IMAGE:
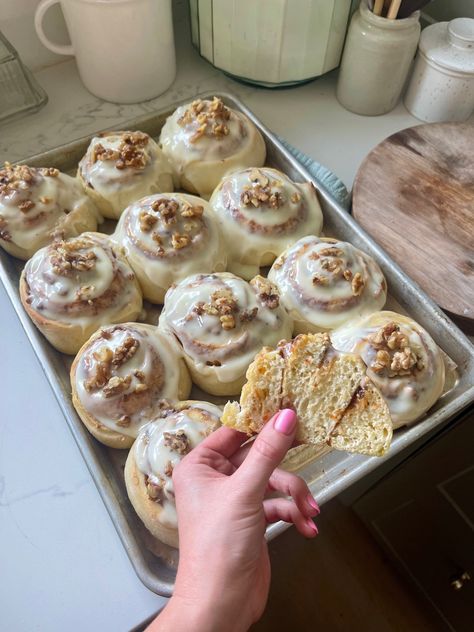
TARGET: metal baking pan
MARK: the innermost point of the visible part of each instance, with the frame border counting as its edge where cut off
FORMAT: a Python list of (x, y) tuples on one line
[(327, 475)]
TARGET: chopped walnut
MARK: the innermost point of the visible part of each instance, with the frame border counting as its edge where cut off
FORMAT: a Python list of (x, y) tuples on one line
[(147, 221), (66, 258), (332, 265), (330, 251), (261, 193), (130, 152), (320, 280), (347, 274), (26, 206), (51, 172), (180, 241), (124, 421), (116, 385), (295, 198), (139, 375), (210, 116), (266, 291), (141, 388), (177, 441), (125, 351), (168, 471), (167, 209), (14, 178), (393, 352), (248, 315), (192, 211), (357, 284), (154, 490), (227, 321)]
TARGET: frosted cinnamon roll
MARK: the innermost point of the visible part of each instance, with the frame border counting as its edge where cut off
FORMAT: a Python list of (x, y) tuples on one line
[(402, 359), (324, 283), (221, 322), (167, 238), (124, 376), (205, 139), (261, 212), (121, 167), (37, 205), (70, 288), (159, 447)]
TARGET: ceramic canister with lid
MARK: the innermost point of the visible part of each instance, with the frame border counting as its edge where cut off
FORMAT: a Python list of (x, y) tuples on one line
[(377, 58), (442, 85)]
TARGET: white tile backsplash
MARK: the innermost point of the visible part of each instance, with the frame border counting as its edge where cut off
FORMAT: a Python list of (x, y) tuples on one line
[(17, 24)]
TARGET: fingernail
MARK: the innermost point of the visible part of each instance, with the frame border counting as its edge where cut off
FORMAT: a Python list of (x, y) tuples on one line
[(285, 421), (311, 524), (313, 503)]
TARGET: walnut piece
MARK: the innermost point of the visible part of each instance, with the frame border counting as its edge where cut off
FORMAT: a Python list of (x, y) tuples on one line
[(177, 441), (116, 385), (154, 490), (394, 355), (66, 257), (260, 192), (130, 152), (266, 291), (208, 118), (357, 284)]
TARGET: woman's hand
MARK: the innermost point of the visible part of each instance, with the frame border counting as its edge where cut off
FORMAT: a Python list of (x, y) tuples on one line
[(221, 487)]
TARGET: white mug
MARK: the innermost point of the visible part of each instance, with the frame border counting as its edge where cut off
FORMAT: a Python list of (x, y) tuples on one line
[(124, 48)]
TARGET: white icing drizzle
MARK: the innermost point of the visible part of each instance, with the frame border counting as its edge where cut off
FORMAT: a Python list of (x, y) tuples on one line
[(80, 295), (326, 282), (205, 139), (261, 212), (205, 342), (121, 186), (407, 396), (152, 372), (35, 204), (197, 420), (168, 237)]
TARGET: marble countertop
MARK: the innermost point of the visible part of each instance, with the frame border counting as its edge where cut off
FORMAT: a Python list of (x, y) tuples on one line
[(62, 563)]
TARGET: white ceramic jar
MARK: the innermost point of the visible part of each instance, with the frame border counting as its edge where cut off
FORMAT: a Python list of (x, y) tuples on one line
[(270, 42), (376, 61), (442, 85)]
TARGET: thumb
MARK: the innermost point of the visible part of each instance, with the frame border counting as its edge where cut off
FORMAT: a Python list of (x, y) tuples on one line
[(267, 451)]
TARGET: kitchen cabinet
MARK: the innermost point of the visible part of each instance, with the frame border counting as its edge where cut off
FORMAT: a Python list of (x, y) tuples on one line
[(423, 516)]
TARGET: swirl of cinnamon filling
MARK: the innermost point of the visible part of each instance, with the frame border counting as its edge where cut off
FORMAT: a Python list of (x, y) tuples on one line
[(167, 238), (37, 205), (162, 444), (222, 321), (325, 283), (261, 212), (124, 376), (82, 282), (121, 167), (402, 360), (205, 139)]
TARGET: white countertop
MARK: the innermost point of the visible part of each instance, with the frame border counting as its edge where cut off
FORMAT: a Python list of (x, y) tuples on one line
[(63, 566)]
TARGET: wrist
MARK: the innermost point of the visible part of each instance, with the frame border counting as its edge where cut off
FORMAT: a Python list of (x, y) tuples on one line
[(185, 614)]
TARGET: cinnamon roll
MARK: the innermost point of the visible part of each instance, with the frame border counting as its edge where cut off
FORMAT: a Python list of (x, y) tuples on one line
[(221, 322), (37, 205), (261, 212), (124, 376), (167, 238), (71, 287), (121, 167), (402, 359), (159, 447), (325, 283), (205, 139)]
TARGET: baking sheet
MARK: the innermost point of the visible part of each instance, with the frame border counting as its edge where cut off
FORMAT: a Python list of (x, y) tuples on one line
[(329, 473)]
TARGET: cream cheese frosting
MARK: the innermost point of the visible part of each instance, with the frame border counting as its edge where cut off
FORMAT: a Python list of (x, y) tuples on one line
[(261, 212), (169, 237), (402, 360), (325, 283)]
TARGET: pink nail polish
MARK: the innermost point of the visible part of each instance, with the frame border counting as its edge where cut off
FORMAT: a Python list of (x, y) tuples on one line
[(311, 524), (285, 421), (313, 503)]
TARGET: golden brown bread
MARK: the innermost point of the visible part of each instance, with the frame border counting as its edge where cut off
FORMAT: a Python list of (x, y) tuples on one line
[(335, 402)]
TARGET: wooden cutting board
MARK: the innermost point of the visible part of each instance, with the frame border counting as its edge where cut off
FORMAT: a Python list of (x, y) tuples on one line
[(414, 193)]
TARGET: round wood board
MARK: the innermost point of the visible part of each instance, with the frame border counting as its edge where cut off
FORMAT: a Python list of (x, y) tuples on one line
[(414, 193)]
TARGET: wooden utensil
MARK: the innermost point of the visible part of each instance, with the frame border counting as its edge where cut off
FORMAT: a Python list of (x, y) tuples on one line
[(393, 9), (378, 6), (414, 193)]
